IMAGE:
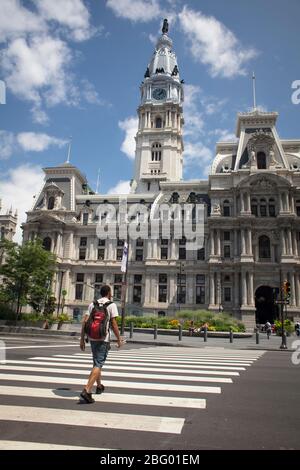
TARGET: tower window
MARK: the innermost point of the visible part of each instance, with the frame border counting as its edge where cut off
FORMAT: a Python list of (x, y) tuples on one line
[(264, 247), (156, 152), (261, 161), (158, 123), (47, 244)]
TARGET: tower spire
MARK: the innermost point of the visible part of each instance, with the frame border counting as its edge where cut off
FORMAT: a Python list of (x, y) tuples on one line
[(165, 27), (254, 91)]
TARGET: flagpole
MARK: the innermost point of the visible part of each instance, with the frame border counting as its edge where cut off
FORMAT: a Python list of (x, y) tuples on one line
[(124, 286)]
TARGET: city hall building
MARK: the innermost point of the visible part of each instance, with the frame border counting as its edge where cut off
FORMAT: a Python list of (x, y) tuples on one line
[(251, 222)]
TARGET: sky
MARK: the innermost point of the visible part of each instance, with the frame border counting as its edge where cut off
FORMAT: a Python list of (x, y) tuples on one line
[(73, 68)]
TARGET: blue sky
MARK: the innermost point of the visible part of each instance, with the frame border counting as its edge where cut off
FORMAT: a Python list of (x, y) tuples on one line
[(73, 68)]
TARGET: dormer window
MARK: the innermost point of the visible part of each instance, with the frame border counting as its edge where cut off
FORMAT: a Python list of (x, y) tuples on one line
[(156, 152), (261, 161), (51, 202)]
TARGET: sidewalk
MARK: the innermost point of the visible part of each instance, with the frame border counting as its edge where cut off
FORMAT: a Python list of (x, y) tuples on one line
[(273, 344)]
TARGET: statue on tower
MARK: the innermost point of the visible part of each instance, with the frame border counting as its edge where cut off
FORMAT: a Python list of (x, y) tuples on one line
[(165, 27)]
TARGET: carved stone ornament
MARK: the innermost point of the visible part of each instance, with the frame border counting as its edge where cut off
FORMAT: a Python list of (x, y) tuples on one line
[(263, 184), (216, 210)]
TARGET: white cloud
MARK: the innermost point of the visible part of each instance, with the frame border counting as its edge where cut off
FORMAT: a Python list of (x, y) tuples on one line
[(17, 188), (7, 144), (135, 10), (26, 141), (197, 155), (37, 67), (36, 61), (91, 95), (15, 20), (213, 44), (122, 187), (130, 126), (35, 142), (73, 14)]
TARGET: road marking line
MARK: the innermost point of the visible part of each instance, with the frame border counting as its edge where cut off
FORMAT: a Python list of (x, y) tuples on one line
[(88, 361), (116, 367), (112, 383), (128, 399), (39, 347), (23, 445), (95, 419), (164, 360), (179, 378)]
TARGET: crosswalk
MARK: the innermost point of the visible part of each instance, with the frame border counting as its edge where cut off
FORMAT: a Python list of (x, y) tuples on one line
[(150, 393)]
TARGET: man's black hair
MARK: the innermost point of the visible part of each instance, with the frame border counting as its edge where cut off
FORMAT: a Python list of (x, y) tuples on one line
[(104, 291)]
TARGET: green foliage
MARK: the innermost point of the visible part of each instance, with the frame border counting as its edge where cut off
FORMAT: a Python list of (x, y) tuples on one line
[(6, 313), (50, 306), (217, 322), (288, 326), (27, 271), (63, 317)]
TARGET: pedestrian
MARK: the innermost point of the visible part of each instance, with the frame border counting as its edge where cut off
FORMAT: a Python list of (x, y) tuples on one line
[(268, 328), (297, 328), (96, 325)]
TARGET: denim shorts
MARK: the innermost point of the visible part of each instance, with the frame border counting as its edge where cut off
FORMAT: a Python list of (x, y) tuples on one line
[(99, 350)]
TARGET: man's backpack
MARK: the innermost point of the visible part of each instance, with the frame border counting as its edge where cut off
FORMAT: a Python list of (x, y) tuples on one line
[(97, 323)]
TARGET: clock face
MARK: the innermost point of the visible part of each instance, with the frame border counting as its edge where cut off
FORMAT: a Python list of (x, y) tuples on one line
[(159, 93)]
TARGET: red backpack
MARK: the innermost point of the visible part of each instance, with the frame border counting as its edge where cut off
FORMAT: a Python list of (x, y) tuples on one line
[(96, 325)]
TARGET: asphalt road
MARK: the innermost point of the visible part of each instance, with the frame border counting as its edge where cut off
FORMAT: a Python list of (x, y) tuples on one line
[(39, 398)]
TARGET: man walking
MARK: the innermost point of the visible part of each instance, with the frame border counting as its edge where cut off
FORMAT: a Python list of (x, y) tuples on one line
[(99, 345)]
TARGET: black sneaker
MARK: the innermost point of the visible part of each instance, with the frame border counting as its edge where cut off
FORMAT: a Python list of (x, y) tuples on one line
[(100, 389), (87, 397)]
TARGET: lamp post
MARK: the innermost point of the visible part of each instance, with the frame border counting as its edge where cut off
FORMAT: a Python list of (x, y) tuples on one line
[(282, 302), (60, 289), (181, 271)]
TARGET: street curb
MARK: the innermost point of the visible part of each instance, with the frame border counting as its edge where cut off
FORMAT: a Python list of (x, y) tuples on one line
[(145, 342)]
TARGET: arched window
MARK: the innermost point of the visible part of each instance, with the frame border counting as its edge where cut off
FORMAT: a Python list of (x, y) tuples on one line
[(158, 123), (47, 243), (51, 202), (2, 233), (263, 208), (226, 208), (261, 161), (254, 207), (175, 198), (272, 209), (156, 152), (264, 247)]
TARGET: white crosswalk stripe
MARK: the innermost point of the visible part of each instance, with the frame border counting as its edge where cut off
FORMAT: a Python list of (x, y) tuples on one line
[(148, 390)]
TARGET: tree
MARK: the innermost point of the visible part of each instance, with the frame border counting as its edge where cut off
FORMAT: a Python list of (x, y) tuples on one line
[(27, 271)]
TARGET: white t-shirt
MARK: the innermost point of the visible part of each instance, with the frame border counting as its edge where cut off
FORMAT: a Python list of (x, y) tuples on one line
[(112, 310)]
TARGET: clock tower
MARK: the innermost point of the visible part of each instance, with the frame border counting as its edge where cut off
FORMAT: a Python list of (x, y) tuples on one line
[(159, 144)]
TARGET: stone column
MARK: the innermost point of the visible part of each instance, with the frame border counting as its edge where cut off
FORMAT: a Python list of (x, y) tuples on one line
[(149, 248), (244, 289), (219, 242), (212, 242), (242, 203), (172, 288), (250, 251), (147, 288), (243, 241), (212, 288), (236, 289), (286, 197), (295, 245), (290, 241), (248, 202), (283, 242), (251, 290)]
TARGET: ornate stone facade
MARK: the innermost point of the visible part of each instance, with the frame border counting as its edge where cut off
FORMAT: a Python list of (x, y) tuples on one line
[(252, 216)]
